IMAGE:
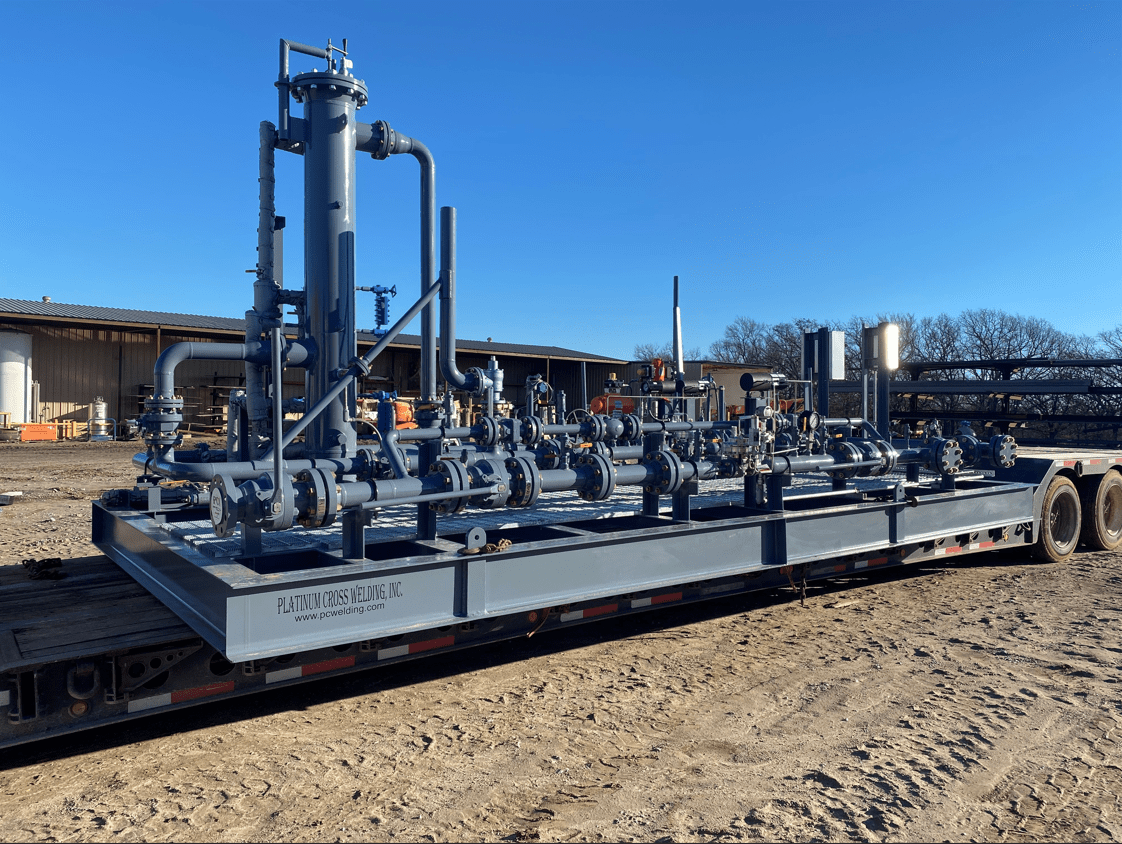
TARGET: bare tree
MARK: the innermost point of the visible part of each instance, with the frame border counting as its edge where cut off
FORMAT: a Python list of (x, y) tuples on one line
[(744, 341), (1111, 342), (940, 340), (649, 351), (776, 346)]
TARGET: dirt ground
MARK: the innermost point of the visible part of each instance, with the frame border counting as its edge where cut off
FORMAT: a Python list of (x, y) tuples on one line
[(980, 701)]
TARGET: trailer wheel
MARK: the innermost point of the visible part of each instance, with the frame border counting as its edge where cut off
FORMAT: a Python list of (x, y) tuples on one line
[(1102, 512), (1059, 522)]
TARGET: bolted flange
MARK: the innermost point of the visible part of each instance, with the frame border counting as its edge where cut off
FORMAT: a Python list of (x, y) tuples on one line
[(602, 476), (525, 482), (455, 479), (1004, 450)]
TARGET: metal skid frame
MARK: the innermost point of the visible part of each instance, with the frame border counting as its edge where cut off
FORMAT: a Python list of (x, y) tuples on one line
[(296, 600)]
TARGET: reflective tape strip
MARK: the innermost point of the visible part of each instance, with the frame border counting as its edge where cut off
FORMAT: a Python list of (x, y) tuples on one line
[(329, 665), (840, 567), (974, 546), (415, 648), (182, 696), (431, 644), (601, 610), (1094, 461), (878, 561), (149, 703), (1070, 462), (284, 674), (860, 564), (954, 549), (591, 612), (724, 587), (5, 698), (202, 691), (307, 670)]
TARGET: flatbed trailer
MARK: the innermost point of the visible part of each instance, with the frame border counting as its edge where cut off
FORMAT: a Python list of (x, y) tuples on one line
[(97, 648)]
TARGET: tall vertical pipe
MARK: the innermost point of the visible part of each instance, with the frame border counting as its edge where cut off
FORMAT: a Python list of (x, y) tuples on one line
[(381, 141), (678, 361), (456, 380), (330, 101), (277, 338), (428, 266), (264, 288), (265, 309)]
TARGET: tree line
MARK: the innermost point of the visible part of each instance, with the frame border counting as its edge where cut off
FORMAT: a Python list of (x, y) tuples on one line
[(972, 335)]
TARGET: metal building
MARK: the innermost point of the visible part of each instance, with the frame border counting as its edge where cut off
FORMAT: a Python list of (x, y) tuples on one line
[(82, 352)]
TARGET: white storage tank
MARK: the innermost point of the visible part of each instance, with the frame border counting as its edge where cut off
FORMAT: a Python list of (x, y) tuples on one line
[(15, 375)]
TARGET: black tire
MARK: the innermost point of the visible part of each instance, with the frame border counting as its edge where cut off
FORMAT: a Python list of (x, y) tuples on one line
[(1102, 512), (1059, 522)]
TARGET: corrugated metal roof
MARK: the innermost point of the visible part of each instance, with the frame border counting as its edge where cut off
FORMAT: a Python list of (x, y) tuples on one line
[(60, 310), (124, 316)]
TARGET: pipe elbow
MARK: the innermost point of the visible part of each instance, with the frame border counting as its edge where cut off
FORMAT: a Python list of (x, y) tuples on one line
[(418, 150), (468, 382), (394, 456), (164, 370)]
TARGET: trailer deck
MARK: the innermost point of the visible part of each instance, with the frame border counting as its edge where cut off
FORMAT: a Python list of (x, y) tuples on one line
[(96, 647)]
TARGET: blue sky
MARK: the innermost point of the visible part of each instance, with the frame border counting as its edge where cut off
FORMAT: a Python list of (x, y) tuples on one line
[(801, 159)]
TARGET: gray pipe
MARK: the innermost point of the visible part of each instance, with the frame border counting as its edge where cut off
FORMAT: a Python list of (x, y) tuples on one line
[(164, 371), (256, 351), (456, 380), (380, 140), (255, 404), (679, 362), (419, 434), (424, 499), (239, 471), (359, 366), (575, 429), (636, 473), (428, 265), (626, 452), (265, 309), (283, 82), (264, 285), (393, 454), (277, 501), (797, 464)]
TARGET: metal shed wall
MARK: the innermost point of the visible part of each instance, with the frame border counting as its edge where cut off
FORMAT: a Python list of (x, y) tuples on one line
[(74, 363)]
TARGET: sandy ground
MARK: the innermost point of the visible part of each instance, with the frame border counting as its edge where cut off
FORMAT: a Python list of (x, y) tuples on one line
[(981, 701)]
